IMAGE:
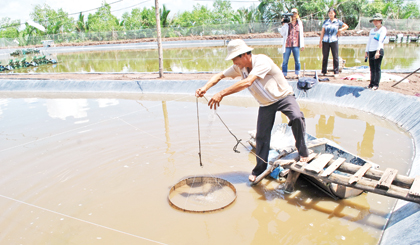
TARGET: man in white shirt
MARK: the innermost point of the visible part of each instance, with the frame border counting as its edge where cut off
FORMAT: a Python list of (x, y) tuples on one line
[(266, 82)]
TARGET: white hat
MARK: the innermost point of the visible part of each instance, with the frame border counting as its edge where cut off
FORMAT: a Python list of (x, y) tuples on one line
[(237, 47), (294, 10)]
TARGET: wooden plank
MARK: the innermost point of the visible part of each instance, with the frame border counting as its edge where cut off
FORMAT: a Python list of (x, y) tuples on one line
[(415, 188), (310, 157), (283, 163), (337, 163), (387, 178), (359, 174), (319, 163)]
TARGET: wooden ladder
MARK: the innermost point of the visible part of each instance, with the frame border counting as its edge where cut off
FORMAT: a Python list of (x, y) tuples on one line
[(322, 166)]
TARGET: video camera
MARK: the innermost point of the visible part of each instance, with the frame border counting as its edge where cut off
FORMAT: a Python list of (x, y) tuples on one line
[(286, 18)]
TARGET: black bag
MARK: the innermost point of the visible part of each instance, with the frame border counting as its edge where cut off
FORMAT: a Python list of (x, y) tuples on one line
[(305, 83)]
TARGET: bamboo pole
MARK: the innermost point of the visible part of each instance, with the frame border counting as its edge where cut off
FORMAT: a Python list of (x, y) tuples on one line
[(159, 39), (406, 76)]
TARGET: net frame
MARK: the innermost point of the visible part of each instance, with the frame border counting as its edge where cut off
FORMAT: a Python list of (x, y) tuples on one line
[(201, 179)]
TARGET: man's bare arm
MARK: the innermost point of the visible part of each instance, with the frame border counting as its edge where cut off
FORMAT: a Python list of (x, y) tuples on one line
[(238, 86), (213, 81)]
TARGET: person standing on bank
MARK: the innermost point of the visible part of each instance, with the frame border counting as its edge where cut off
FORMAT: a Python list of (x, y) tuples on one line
[(375, 50), (266, 82), (331, 30), (292, 41)]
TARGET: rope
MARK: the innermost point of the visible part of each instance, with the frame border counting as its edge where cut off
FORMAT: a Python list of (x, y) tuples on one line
[(238, 141)]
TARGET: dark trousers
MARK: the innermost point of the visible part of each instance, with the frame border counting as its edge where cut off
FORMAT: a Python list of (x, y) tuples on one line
[(266, 117), (325, 53), (375, 68)]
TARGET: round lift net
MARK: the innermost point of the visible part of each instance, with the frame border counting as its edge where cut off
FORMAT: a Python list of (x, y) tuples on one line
[(202, 194)]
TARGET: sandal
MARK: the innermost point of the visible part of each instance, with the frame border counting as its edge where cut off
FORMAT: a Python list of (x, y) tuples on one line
[(374, 88)]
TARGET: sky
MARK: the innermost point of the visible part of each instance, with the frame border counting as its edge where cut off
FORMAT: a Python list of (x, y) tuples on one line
[(20, 9)]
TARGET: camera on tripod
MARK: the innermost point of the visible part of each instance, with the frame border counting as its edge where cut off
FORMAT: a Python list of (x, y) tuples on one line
[(286, 18)]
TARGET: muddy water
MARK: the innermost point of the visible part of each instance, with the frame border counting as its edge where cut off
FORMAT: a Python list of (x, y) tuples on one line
[(98, 171), (405, 56)]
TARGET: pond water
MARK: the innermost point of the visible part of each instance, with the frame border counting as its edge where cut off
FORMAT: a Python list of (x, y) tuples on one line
[(86, 170), (397, 56)]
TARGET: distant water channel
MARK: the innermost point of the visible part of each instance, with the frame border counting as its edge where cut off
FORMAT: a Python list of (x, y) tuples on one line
[(397, 56)]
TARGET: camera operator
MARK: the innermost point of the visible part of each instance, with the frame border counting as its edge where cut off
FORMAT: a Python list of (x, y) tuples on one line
[(292, 32)]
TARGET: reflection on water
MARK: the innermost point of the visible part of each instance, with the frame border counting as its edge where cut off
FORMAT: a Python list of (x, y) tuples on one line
[(365, 148), (62, 108), (117, 174), (212, 59), (169, 169), (324, 128)]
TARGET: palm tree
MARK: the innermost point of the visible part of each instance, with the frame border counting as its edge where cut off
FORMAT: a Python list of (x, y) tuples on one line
[(81, 25), (163, 12)]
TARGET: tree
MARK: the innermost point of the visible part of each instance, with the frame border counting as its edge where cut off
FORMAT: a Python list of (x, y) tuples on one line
[(132, 21), (164, 13), (393, 9), (103, 20), (244, 15), (222, 12), (352, 12), (52, 20), (410, 11), (316, 9), (24, 35), (81, 25), (9, 28), (200, 15), (270, 11)]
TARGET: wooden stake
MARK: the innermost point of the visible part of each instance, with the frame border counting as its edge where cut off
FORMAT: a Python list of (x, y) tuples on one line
[(159, 39)]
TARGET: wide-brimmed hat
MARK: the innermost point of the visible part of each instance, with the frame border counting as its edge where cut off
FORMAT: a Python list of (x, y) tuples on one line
[(237, 47), (294, 10), (376, 16)]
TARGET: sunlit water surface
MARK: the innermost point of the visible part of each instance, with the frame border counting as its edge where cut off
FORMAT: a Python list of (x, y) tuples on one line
[(397, 56), (98, 171)]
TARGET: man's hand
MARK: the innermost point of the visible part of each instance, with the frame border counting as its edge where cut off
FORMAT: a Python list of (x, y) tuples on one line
[(215, 101), (303, 48), (200, 92)]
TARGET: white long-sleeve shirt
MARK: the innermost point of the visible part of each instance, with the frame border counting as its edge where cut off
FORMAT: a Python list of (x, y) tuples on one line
[(376, 39)]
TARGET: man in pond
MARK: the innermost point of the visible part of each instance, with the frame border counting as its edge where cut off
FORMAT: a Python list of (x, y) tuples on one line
[(266, 82)]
